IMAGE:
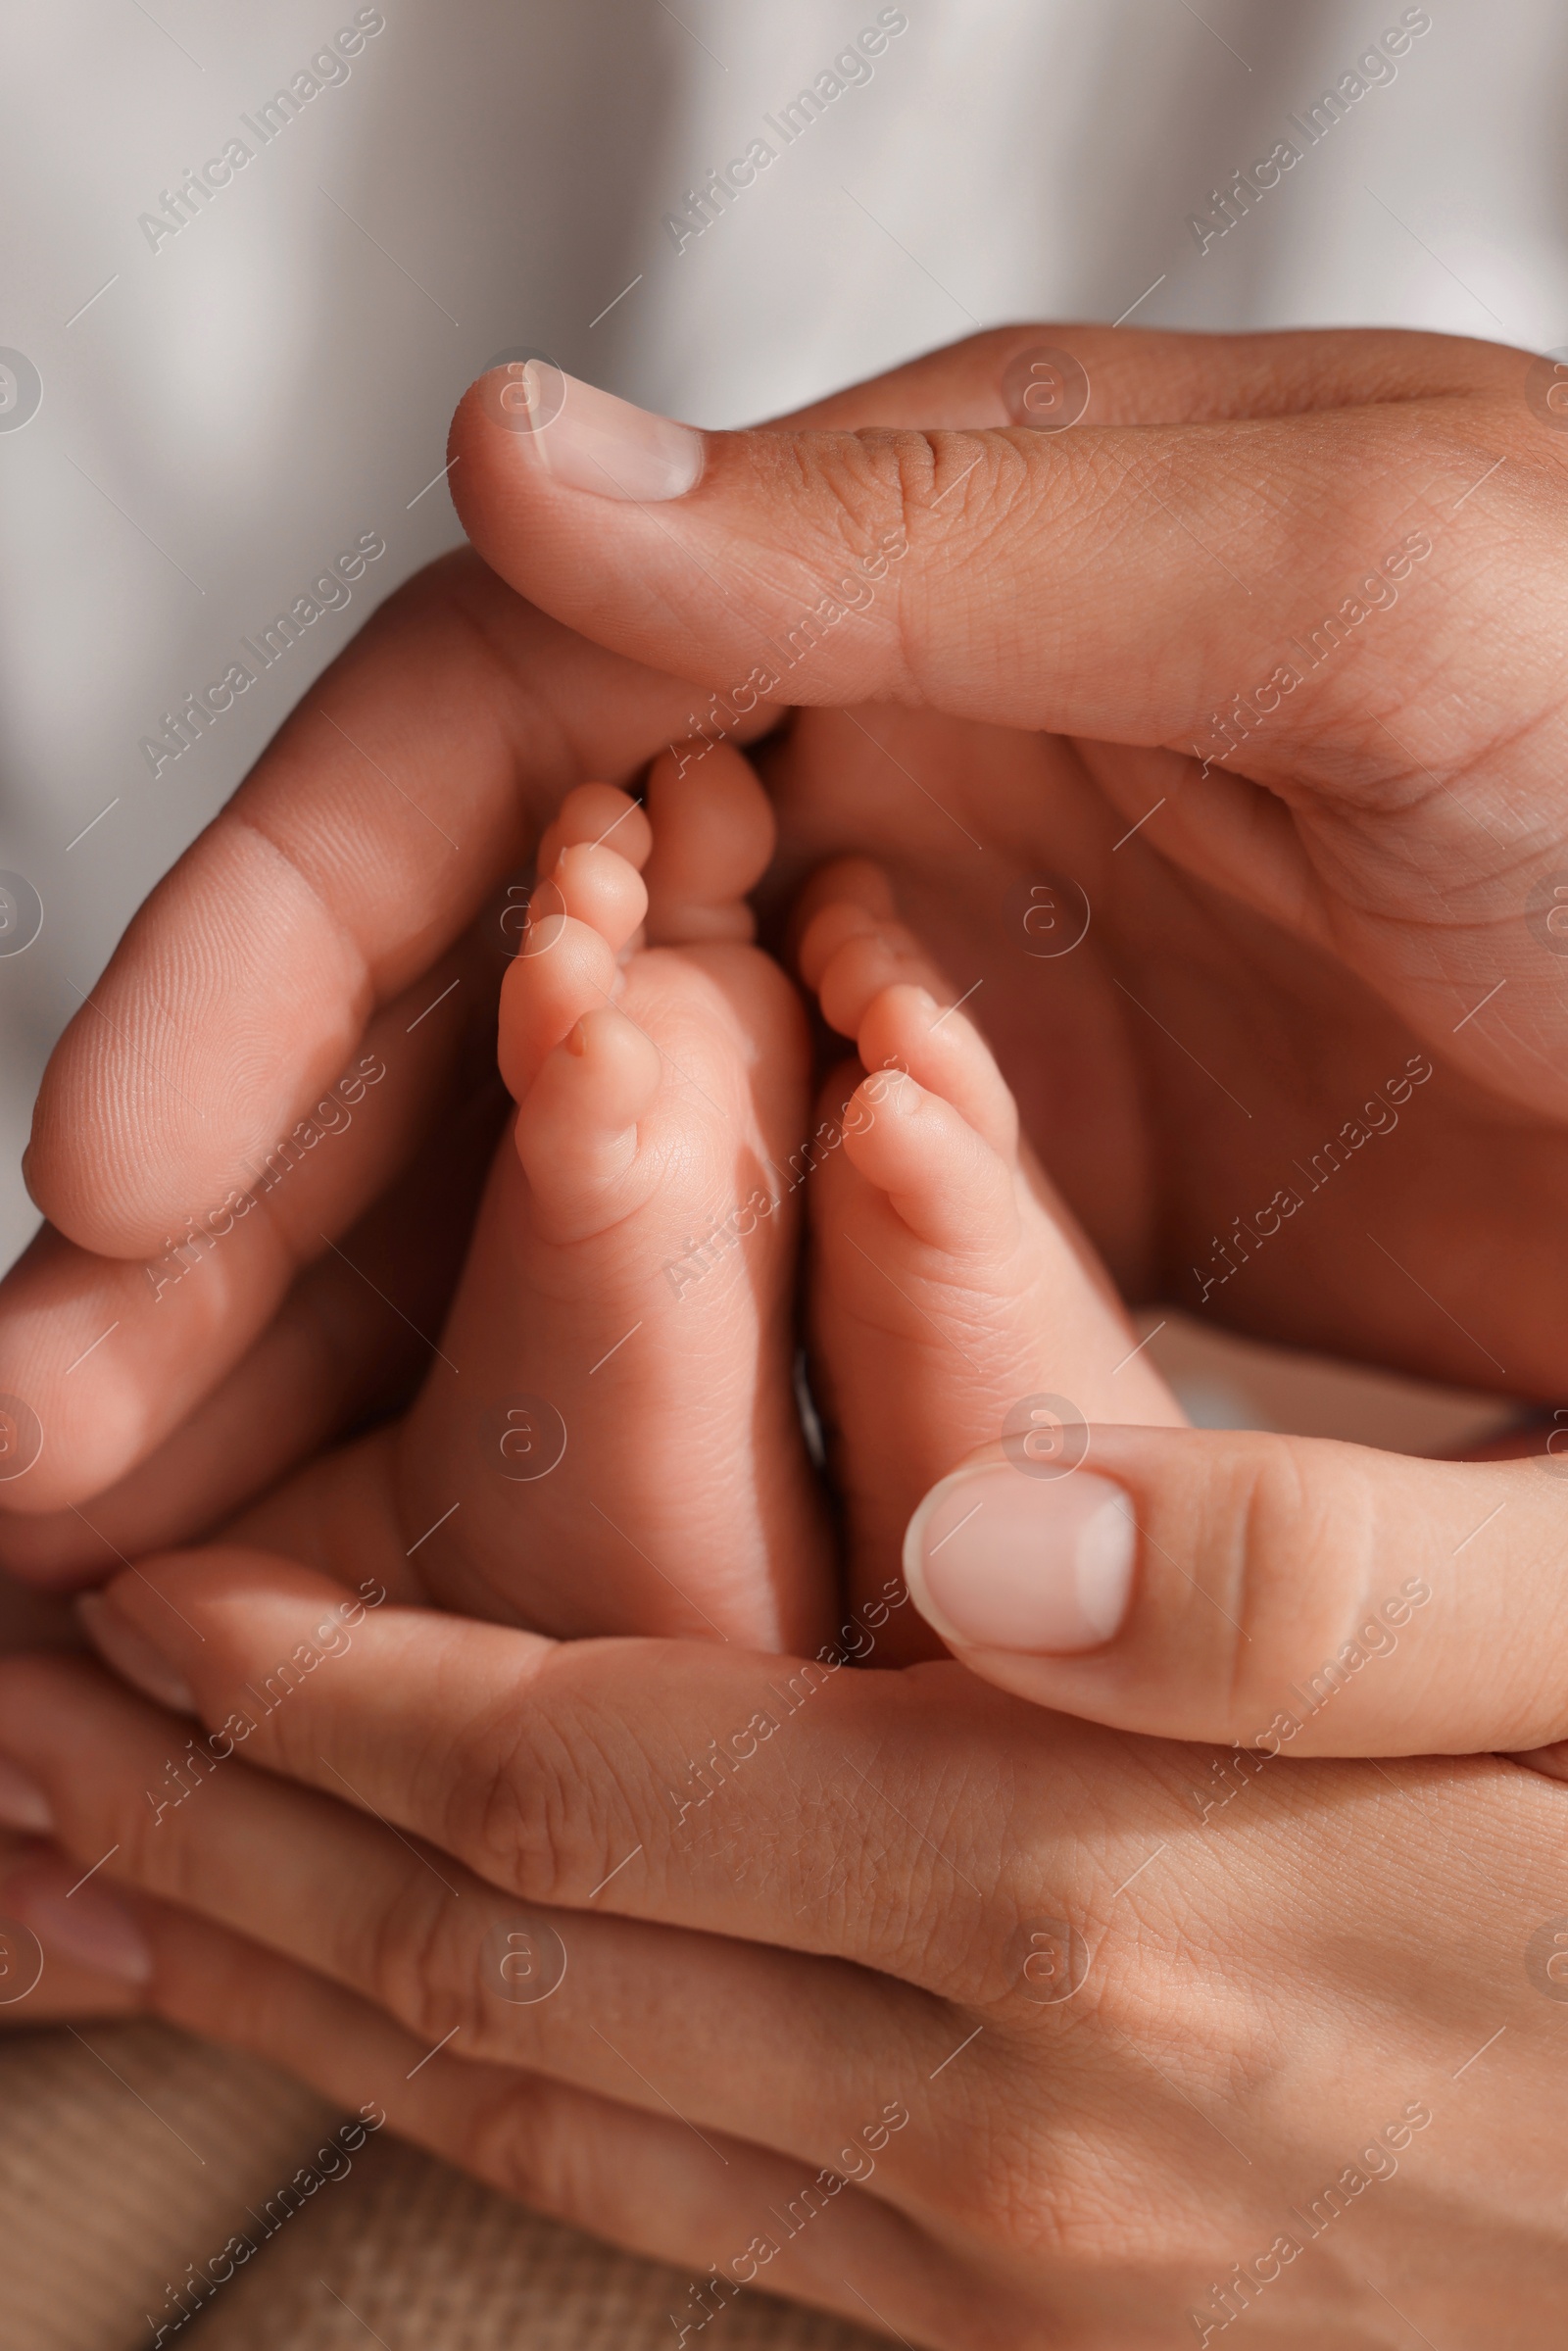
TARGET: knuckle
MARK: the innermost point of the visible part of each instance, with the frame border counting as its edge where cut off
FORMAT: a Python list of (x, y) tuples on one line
[(864, 480), (1305, 1544), (884, 492), (1280, 1535), (537, 1802), (414, 1965), (533, 2145), (914, 467), (521, 1833), (953, 487)]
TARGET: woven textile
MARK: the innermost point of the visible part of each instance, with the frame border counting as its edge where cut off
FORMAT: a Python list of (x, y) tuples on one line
[(131, 2151)]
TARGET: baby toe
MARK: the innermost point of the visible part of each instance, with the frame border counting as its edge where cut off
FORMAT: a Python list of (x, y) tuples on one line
[(905, 1027), (576, 1128), (712, 836), (941, 1177)]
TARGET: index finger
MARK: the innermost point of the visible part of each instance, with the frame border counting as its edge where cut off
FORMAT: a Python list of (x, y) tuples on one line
[(632, 1776), (1152, 376)]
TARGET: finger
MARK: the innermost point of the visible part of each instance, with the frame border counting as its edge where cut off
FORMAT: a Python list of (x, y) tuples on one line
[(743, 2033), (1085, 581), (34, 1620), (1285, 1595), (102, 1972), (646, 2182), (350, 1342), (416, 771), (569, 1758), (111, 1355), (1150, 377), (38, 1985), (1550, 1762)]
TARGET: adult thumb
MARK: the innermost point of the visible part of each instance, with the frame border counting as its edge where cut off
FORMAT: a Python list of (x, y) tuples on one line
[(1053, 579), (1282, 1594), (1023, 577)]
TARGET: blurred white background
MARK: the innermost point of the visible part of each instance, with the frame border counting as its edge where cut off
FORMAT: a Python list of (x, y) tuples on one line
[(221, 415)]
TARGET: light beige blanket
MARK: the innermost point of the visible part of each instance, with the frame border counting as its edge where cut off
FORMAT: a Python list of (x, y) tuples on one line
[(130, 2151)]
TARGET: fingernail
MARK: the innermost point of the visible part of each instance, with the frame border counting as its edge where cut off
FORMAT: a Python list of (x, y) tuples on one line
[(589, 440), (998, 1561), (125, 1647), (90, 1927), (22, 1802)]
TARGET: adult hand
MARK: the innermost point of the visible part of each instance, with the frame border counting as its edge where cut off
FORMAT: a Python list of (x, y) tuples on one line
[(321, 926), (1264, 656), (956, 2016), (1299, 936), (189, 1325), (292, 1017)]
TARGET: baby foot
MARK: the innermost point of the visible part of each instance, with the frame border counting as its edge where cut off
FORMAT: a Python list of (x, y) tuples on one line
[(954, 1300), (628, 1440)]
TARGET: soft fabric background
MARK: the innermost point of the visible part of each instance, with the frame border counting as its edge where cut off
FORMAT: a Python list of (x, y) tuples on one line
[(127, 2152), (228, 411)]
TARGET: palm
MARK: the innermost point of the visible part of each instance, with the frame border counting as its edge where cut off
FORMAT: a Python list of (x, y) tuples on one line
[(1192, 1058)]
